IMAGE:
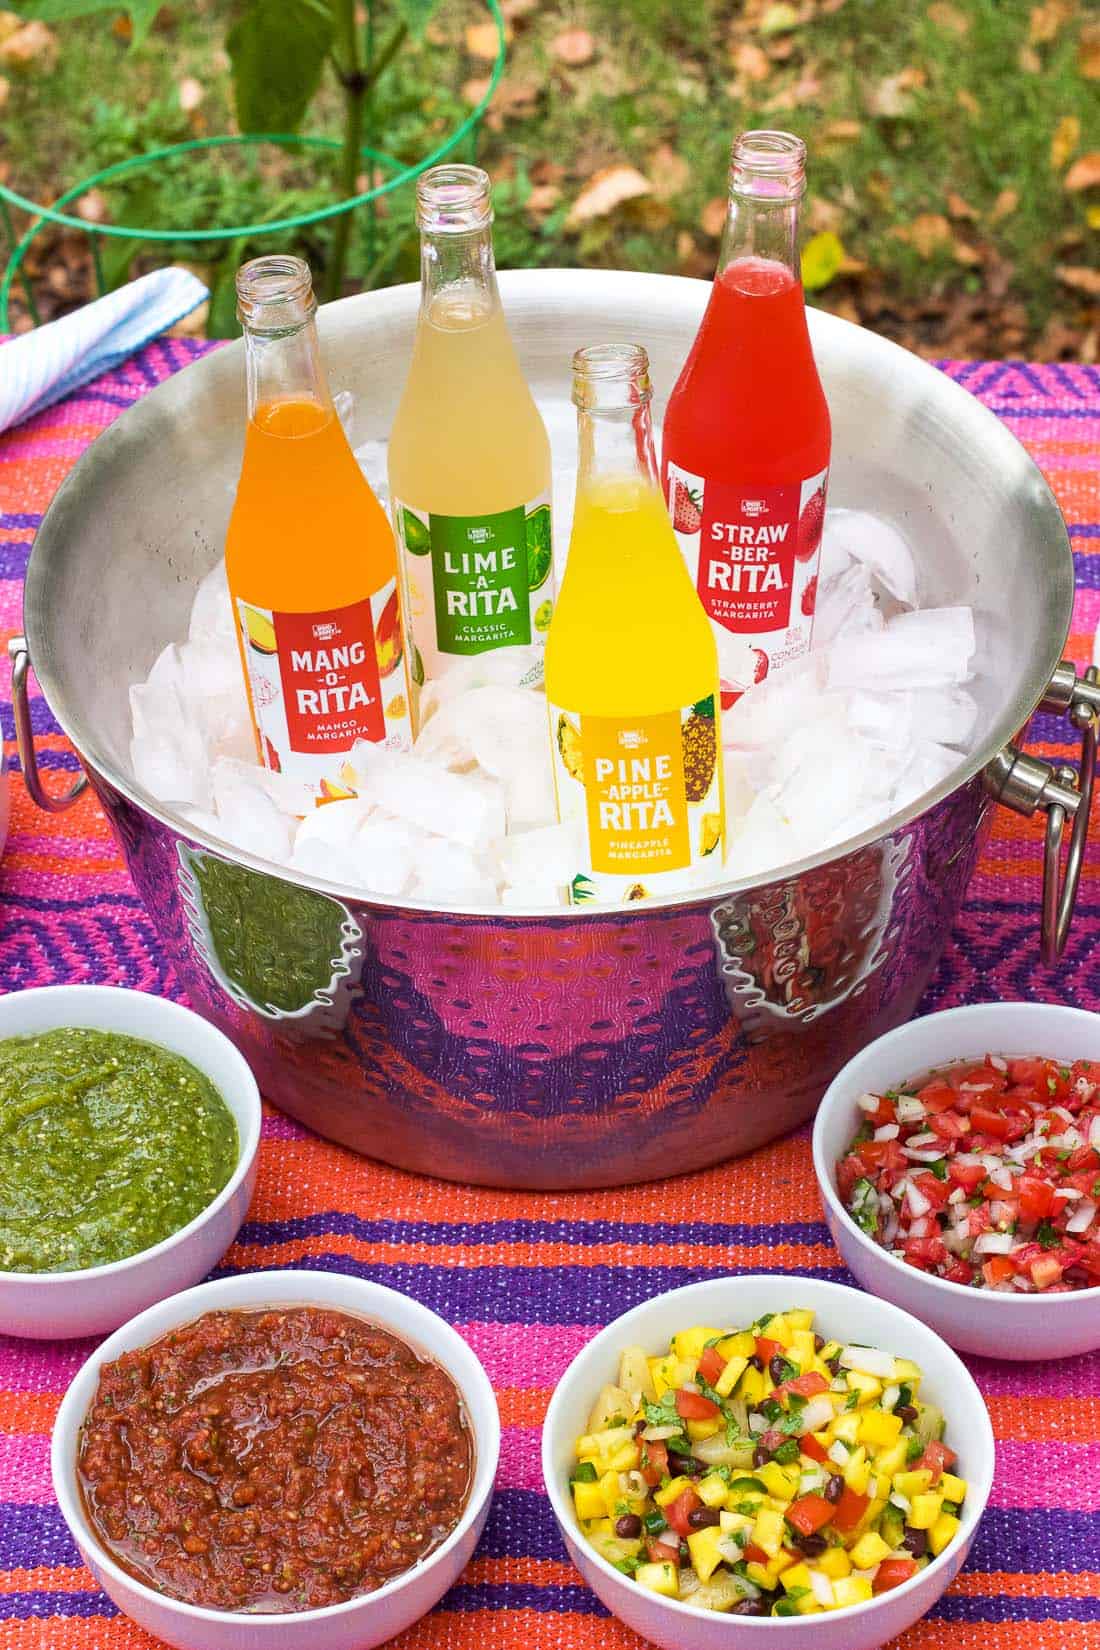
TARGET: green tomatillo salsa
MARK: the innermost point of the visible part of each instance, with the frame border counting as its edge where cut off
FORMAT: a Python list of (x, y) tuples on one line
[(108, 1145)]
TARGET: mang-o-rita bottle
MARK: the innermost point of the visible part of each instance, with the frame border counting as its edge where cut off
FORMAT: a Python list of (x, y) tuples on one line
[(309, 554), (469, 457), (747, 436), (631, 666)]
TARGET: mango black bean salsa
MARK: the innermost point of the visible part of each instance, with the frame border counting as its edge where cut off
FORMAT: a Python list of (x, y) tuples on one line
[(275, 1460)]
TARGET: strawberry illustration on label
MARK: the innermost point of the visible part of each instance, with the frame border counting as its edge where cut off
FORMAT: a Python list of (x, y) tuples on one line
[(810, 525), (809, 598), (687, 509)]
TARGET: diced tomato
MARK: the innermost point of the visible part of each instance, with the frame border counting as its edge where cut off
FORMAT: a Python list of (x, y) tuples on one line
[(892, 1572), (948, 1125), (886, 1113), (809, 1514), (711, 1364), (990, 1122), (925, 1253), (936, 1191), (694, 1406), (1082, 1157), (849, 1510), (938, 1096), (849, 1171), (663, 1552), (678, 1511), (766, 1349), (998, 1269), (966, 1175), (959, 1272), (1032, 1072), (755, 1554), (1036, 1197), (979, 1220), (654, 1460), (882, 1154), (804, 1386), (1046, 1271), (979, 1081), (809, 1445), (937, 1458)]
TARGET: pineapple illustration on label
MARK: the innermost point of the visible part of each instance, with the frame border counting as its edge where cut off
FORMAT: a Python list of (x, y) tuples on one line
[(649, 792)]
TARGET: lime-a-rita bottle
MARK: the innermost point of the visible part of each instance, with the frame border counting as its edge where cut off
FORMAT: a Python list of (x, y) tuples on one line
[(469, 458), (631, 665)]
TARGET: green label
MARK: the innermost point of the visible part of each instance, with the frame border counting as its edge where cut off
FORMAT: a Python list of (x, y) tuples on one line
[(480, 581)]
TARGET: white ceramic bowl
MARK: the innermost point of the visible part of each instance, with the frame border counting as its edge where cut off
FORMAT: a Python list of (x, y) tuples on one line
[(845, 1313), (974, 1320), (359, 1623), (50, 1305)]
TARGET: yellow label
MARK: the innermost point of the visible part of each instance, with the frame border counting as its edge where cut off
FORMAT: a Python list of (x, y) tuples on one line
[(635, 795)]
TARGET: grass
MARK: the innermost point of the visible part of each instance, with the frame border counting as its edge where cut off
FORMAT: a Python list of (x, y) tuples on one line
[(930, 128)]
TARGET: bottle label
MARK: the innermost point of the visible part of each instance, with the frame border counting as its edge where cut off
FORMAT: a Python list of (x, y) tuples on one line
[(320, 681), (477, 583), (647, 791), (753, 553)]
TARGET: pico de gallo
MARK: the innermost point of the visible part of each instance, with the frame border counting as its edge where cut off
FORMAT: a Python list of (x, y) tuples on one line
[(766, 1471), (986, 1174)]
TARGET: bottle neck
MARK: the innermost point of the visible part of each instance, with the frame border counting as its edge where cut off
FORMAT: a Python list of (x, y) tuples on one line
[(762, 228), (458, 282), (285, 365), (615, 444)]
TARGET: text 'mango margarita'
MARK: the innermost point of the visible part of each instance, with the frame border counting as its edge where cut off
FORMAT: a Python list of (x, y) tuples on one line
[(469, 458), (747, 433), (310, 555), (631, 666)]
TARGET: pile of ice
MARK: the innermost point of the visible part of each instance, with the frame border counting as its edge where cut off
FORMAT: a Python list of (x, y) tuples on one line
[(865, 724)]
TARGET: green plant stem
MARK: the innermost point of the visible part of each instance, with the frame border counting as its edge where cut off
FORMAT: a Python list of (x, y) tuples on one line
[(357, 84)]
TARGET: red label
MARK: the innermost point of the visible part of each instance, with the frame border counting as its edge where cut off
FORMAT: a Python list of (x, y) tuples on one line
[(747, 547), (329, 670)]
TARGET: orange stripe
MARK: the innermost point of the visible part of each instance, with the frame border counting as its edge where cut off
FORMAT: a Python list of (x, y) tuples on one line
[(1059, 1584), (63, 1578), (29, 1411), (1037, 1420)]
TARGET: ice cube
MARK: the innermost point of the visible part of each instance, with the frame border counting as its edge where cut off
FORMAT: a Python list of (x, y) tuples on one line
[(883, 719), (930, 648), (325, 842), (503, 732), (859, 536), (385, 854), (328, 861), (504, 667), (947, 715), (763, 715), (449, 870), (212, 609), (547, 857), (250, 820), (846, 606), (214, 698), (931, 765), (171, 769), (465, 808), (765, 840)]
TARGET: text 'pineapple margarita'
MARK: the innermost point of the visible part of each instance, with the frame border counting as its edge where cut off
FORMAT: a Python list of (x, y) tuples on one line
[(631, 665)]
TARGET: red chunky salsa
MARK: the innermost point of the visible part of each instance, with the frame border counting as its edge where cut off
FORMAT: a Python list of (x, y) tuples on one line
[(274, 1460), (985, 1174)]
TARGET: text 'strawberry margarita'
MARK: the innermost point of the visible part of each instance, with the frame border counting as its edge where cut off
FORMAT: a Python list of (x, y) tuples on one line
[(469, 459), (747, 434), (631, 666), (309, 554)]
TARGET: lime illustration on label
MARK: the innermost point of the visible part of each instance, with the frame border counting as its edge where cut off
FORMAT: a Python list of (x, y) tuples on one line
[(477, 583), (649, 791), (320, 681)]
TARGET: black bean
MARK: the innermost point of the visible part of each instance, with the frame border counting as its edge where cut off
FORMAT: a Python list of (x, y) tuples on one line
[(834, 1364), (684, 1466), (777, 1369), (628, 1527), (819, 1342), (685, 1553), (639, 1427), (756, 1362), (812, 1545), (760, 1456), (905, 1413), (704, 1518), (750, 1607), (834, 1489), (915, 1542)]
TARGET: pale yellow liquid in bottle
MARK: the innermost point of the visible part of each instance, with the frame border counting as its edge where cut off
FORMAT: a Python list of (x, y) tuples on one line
[(468, 439)]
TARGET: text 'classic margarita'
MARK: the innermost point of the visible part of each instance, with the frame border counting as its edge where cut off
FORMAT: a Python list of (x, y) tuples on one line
[(631, 666), (469, 459), (310, 555), (747, 433)]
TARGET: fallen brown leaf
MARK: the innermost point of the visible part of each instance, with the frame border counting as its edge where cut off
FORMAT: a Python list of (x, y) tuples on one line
[(1005, 204), (1080, 278), (927, 232), (779, 18), (34, 46), (668, 171), (712, 219), (958, 207), (92, 207), (573, 47), (482, 41), (1088, 51), (604, 191), (751, 60), (10, 23), (964, 253), (5, 90), (1084, 173), (841, 131), (891, 97), (542, 199), (512, 10), (1047, 19), (190, 93), (822, 214), (966, 100), (1028, 59), (1067, 135), (948, 18), (474, 90)]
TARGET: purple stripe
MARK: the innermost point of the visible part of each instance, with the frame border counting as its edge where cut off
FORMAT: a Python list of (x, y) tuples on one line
[(717, 1234), (19, 518)]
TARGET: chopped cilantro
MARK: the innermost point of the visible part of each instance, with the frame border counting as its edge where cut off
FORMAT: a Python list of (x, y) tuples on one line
[(763, 1322), (787, 1452), (628, 1565), (1047, 1236), (787, 1371), (951, 1507), (913, 1449), (771, 1409), (788, 1606), (584, 1473), (939, 1168), (852, 1400), (905, 1395), (655, 1522), (1096, 1188)]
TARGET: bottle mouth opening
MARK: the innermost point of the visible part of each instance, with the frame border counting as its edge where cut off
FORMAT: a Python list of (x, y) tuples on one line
[(769, 163), (274, 291), (611, 374), (454, 199)]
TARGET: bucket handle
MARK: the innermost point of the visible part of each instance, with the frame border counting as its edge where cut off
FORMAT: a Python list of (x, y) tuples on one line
[(24, 736), (1026, 783)]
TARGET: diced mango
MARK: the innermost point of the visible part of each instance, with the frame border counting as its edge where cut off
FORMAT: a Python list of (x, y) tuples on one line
[(857, 1472), (702, 1429), (766, 1575), (924, 1510), (878, 1428), (943, 1531), (661, 1578), (767, 1531), (800, 1318), (851, 1590), (712, 1490), (703, 1547), (776, 1480), (588, 1501), (735, 1368), (595, 1444), (869, 1387), (625, 1459), (741, 1345), (835, 1563), (668, 1373), (612, 1406), (829, 1351), (847, 1427), (892, 1460), (754, 1386), (912, 1483), (612, 1491), (868, 1551), (667, 1494), (803, 1347), (689, 1344), (634, 1377), (734, 1523), (779, 1329), (797, 1576), (909, 1372), (952, 1488)]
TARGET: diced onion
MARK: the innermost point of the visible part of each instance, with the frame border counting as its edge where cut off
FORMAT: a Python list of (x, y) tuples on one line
[(958, 1195), (997, 1063), (816, 1415), (715, 1452), (1000, 1213), (868, 1360), (757, 1423), (910, 1109), (1094, 1133), (1001, 1177), (822, 1588), (636, 1487), (925, 1139), (994, 1243), (890, 1397), (918, 1205), (919, 1154), (653, 1434), (1070, 1193), (839, 1452), (689, 1582), (1082, 1217), (901, 1502), (731, 1549), (869, 1102), (888, 1131)]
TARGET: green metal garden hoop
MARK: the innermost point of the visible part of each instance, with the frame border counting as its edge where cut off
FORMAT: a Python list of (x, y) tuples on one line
[(402, 173)]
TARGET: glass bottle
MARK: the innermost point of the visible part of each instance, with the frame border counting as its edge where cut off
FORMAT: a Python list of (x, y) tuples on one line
[(747, 434), (631, 665), (469, 458), (309, 554)]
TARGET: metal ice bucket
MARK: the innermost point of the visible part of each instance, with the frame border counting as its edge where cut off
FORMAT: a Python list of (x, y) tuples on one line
[(566, 1047)]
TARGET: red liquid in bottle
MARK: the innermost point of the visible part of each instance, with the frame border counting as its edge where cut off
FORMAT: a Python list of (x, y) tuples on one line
[(746, 450)]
